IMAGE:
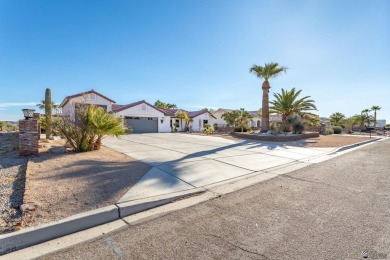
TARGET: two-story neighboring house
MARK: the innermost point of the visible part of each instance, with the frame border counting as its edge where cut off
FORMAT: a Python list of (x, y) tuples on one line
[(71, 103), (141, 116)]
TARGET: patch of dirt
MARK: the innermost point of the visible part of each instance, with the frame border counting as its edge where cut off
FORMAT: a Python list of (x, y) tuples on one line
[(332, 141), (62, 185), (322, 141)]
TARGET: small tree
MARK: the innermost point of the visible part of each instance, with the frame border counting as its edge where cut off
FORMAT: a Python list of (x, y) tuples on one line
[(48, 112), (231, 117), (243, 118), (184, 116), (237, 118)]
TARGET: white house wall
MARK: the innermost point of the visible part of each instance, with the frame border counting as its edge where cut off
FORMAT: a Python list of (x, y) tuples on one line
[(219, 120), (196, 127), (137, 111), (69, 108)]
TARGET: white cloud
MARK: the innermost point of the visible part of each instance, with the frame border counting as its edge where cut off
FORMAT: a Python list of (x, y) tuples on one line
[(3, 106)]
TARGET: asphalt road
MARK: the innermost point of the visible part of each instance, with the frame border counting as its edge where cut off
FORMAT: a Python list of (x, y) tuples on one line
[(337, 209)]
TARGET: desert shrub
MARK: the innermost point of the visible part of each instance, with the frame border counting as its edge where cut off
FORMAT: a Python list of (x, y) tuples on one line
[(208, 129), (337, 129), (330, 131), (243, 128), (86, 131), (276, 128), (296, 124)]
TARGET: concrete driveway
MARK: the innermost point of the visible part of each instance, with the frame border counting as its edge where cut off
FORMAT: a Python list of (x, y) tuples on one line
[(184, 161)]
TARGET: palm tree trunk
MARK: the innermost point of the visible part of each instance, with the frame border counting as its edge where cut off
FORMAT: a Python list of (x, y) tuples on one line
[(374, 118), (265, 107)]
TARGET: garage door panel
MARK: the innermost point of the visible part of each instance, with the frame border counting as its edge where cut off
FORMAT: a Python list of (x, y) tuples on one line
[(143, 124)]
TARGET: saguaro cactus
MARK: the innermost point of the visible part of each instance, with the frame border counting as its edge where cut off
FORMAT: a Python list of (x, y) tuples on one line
[(48, 112)]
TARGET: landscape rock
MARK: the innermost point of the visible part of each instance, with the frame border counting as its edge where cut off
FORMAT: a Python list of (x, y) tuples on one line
[(57, 150)]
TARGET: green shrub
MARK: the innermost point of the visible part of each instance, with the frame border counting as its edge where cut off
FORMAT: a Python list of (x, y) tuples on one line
[(296, 124), (244, 128), (90, 125), (208, 129), (330, 131), (337, 130)]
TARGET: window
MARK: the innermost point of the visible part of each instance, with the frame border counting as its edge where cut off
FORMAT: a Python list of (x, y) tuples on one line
[(143, 107), (102, 106), (92, 96), (205, 122)]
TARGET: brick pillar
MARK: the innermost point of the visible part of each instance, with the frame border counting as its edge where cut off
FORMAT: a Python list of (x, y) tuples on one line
[(37, 116), (28, 137)]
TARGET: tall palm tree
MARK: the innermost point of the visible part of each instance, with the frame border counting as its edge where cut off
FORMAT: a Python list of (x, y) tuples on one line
[(375, 108), (337, 118), (270, 70), (366, 111), (287, 104)]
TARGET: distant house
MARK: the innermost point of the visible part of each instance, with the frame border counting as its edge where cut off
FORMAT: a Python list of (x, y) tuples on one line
[(381, 123), (254, 122), (141, 116)]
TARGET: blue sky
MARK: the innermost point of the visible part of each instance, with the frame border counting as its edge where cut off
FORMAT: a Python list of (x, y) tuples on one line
[(195, 53)]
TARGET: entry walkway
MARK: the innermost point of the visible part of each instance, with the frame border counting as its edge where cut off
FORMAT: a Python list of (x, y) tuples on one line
[(185, 162)]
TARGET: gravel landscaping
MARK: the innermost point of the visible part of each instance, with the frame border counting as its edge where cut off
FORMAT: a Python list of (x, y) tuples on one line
[(12, 176), (62, 185)]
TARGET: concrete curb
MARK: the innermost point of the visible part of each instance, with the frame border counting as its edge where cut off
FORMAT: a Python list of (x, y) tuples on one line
[(346, 147), (135, 206), (35, 235)]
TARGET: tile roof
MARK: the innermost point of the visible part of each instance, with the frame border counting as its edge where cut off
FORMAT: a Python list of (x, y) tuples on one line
[(193, 114), (117, 108), (66, 99)]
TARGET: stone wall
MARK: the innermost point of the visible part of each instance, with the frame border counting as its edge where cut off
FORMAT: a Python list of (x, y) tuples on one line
[(9, 141), (28, 137), (276, 138)]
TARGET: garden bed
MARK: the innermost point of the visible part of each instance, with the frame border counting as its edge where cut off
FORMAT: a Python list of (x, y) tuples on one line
[(61, 185), (276, 138), (12, 175)]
